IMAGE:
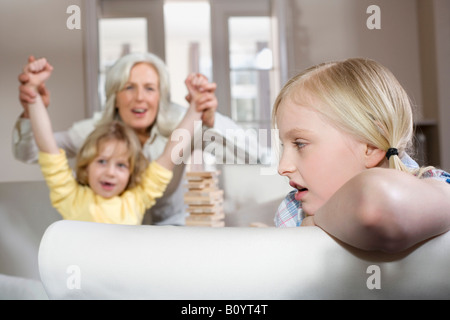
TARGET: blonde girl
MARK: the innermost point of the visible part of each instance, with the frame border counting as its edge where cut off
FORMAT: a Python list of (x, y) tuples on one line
[(346, 129)]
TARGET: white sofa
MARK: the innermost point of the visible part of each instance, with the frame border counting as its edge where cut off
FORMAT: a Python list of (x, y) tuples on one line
[(79, 260), (26, 212), (236, 262)]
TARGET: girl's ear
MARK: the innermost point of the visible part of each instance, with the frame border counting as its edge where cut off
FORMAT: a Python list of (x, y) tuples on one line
[(374, 157)]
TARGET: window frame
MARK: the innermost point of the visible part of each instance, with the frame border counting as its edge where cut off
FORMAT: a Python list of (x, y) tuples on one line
[(95, 10), (221, 10)]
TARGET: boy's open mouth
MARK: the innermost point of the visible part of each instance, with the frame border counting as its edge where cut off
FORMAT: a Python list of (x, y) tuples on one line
[(107, 185)]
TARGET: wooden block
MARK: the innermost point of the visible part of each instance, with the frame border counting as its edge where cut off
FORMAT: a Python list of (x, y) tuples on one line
[(215, 224), (203, 174), (205, 217), (202, 184), (204, 199), (258, 225), (210, 193), (205, 209), (199, 198), (201, 202)]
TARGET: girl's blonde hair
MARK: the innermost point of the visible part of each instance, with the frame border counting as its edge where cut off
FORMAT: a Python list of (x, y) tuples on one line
[(118, 75), (118, 131), (361, 97)]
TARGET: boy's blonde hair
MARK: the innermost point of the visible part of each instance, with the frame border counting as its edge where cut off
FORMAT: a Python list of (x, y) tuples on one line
[(114, 130), (361, 97)]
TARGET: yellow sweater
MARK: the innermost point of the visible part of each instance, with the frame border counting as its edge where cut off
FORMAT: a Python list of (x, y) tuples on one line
[(76, 202)]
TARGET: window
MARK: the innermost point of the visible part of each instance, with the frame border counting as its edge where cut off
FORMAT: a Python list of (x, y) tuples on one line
[(230, 42), (188, 45), (118, 37), (250, 66), (243, 65)]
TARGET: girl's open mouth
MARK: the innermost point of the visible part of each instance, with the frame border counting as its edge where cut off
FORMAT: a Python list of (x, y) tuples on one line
[(301, 191), (301, 194)]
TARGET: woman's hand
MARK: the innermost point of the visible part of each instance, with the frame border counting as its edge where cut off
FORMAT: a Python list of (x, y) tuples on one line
[(206, 100), (28, 95)]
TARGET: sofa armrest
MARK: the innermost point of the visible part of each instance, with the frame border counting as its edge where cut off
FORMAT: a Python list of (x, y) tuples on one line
[(99, 261), (17, 288)]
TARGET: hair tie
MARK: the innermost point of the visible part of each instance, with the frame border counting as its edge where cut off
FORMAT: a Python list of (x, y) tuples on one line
[(391, 152)]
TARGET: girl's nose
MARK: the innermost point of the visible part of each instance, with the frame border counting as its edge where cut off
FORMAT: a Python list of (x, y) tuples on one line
[(111, 170), (286, 166)]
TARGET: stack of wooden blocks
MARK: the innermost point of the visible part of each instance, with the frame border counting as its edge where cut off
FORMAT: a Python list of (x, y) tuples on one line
[(204, 199)]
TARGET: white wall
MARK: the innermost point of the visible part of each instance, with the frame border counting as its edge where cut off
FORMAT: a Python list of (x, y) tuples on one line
[(412, 43), (442, 27), (38, 28), (327, 30)]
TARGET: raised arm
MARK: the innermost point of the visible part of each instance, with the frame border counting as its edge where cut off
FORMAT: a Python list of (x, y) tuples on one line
[(207, 102), (175, 149), (38, 71)]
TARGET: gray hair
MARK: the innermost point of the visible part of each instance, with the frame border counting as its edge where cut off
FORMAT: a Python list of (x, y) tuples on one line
[(118, 75)]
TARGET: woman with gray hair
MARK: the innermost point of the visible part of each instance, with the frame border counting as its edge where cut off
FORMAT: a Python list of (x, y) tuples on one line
[(138, 93)]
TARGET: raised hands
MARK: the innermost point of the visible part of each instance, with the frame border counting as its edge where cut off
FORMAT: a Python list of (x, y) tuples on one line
[(28, 94), (202, 94), (38, 72)]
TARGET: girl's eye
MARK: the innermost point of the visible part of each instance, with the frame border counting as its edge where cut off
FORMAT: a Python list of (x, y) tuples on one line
[(150, 89), (122, 165), (101, 161), (299, 145)]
